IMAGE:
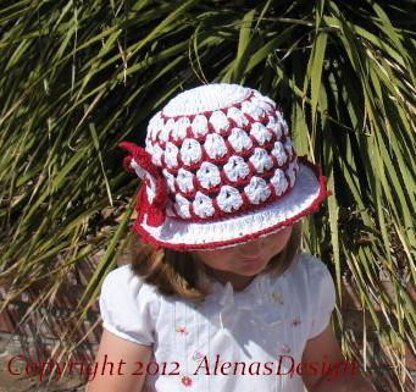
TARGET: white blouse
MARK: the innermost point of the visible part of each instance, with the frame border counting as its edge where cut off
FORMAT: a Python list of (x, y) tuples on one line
[(249, 340)]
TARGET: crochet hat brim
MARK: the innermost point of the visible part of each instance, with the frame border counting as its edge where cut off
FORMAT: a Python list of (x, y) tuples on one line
[(304, 198)]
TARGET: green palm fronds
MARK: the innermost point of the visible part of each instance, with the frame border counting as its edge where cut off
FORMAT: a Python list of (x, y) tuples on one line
[(77, 77)]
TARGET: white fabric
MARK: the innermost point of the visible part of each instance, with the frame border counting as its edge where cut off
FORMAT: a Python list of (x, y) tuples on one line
[(272, 317)]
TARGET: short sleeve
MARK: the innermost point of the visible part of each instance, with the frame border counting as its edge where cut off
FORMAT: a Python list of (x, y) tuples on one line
[(127, 306), (321, 295)]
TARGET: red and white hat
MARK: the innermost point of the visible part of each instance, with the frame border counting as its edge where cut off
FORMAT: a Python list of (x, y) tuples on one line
[(219, 169)]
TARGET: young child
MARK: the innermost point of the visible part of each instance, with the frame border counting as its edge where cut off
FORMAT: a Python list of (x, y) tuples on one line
[(218, 296)]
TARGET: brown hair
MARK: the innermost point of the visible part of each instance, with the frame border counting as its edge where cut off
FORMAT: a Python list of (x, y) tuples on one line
[(178, 273)]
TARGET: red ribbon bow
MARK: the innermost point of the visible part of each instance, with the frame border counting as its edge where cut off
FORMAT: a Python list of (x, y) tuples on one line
[(139, 161)]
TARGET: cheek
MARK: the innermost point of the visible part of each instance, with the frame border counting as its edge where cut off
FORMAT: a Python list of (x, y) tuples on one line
[(279, 240), (216, 258)]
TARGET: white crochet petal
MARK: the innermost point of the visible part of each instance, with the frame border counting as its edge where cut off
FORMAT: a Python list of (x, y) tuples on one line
[(215, 146), (237, 116), (275, 126), (202, 205), (170, 180), (190, 151), (171, 155), (253, 110), (149, 181), (266, 104), (180, 128), (239, 140), (155, 119), (296, 165), (166, 130), (219, 121), (264, 99), (182, 206), (156, 123), (280, 153), (261, 160), (289, 147), (257, 190), (157, 155), (185, 180), (149, 146), (236, 168), (279, 181), (260, 133), (291, 173), (229, 199), (285, 127), (208, 175), (200, 125), (140, 172)]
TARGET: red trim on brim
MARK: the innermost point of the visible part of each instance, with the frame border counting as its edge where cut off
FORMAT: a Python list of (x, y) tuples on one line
[(315, 205)]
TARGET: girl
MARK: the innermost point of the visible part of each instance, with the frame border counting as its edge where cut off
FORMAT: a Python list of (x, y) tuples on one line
[(217, 296)]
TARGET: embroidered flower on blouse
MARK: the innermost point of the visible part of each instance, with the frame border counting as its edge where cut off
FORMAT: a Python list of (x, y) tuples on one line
[(296, 321), (187, 381), (182, 330)]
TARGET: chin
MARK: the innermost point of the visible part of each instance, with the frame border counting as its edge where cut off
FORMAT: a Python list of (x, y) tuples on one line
[(251, 269)]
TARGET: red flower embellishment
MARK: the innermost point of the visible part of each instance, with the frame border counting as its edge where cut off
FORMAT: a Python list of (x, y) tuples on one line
[(182, 330), (296, 321), (187, 381), (153, 197)]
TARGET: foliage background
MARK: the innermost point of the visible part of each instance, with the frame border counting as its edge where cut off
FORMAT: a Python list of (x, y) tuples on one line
[(79, 76)]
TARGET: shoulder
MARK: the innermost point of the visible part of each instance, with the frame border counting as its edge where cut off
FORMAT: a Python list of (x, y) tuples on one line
[(310, 268), (121, 276), (311, 279), (123, 289), (129, 306)]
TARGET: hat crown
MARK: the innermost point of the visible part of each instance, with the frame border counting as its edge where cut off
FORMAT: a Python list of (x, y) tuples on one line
[(223, 149), (205, 98)]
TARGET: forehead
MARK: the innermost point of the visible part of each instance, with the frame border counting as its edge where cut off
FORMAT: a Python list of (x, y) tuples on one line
[(269, 238)]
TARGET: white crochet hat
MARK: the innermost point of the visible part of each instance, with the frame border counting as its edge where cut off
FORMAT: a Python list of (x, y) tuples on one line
[(219, 169)]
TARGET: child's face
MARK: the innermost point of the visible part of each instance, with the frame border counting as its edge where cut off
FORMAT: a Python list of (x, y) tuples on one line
[(246, 260)]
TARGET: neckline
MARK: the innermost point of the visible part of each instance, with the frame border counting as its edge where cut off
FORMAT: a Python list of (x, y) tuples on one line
[(218, 287)]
